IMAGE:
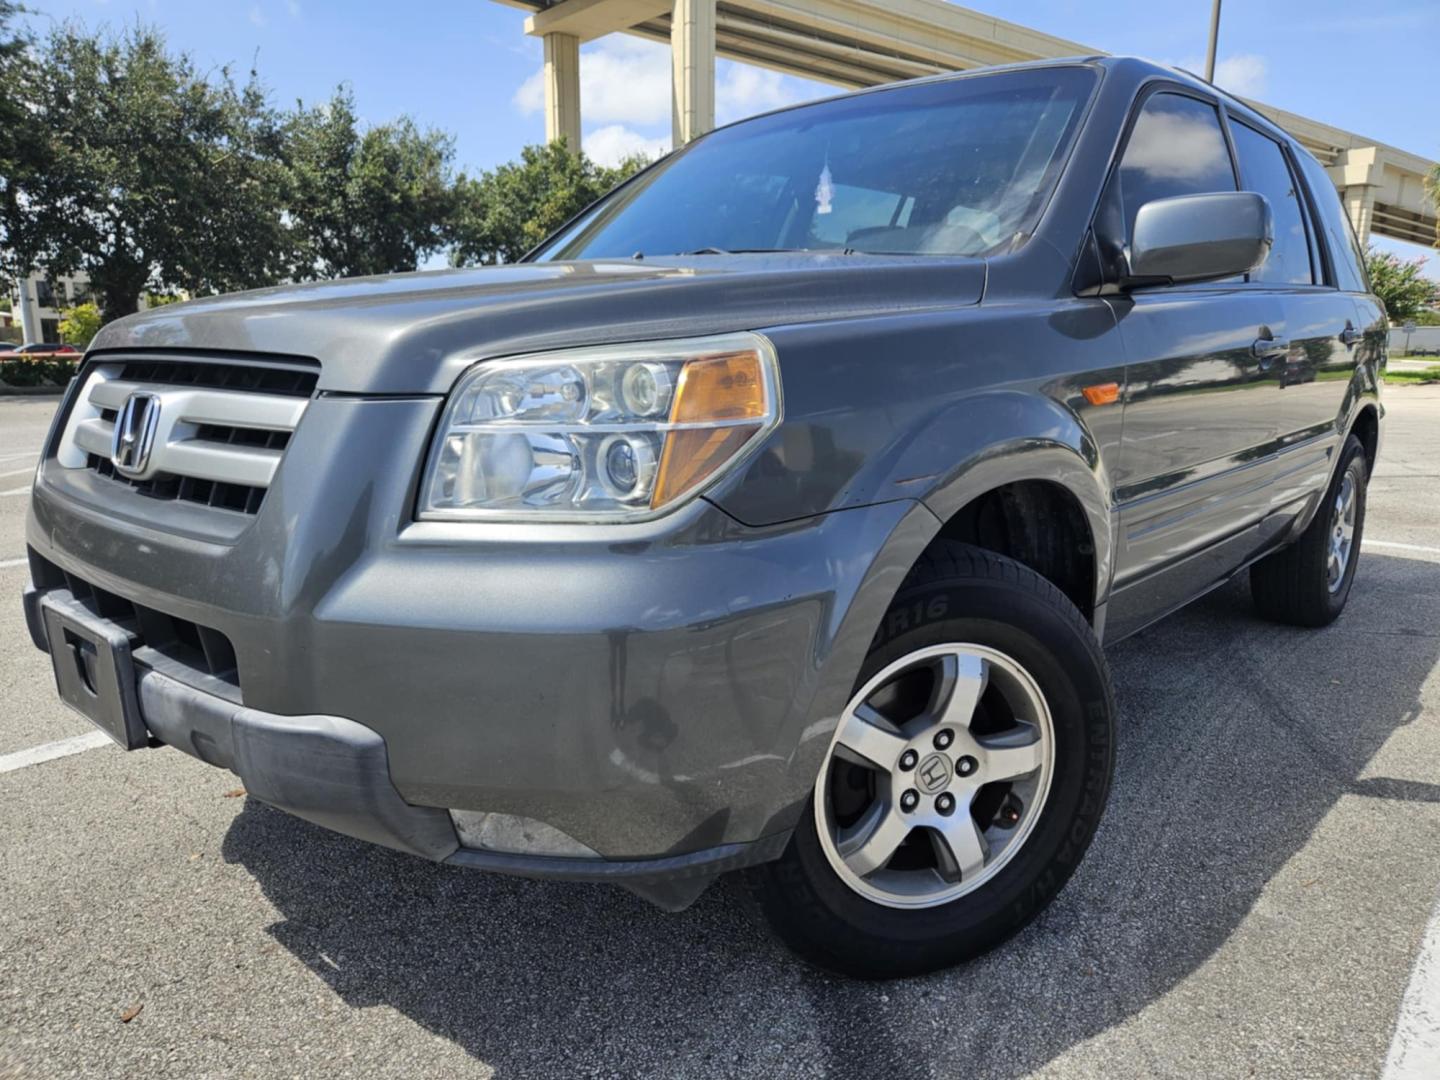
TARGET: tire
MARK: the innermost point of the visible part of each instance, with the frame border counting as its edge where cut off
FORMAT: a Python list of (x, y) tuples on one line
[(1296, 584), (968, 619)]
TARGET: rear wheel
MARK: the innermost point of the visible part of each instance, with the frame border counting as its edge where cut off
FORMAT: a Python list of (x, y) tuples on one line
[(1308, 582), (964, 779)]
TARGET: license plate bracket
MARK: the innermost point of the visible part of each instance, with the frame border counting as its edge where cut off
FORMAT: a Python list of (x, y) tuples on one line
[(94, 672)]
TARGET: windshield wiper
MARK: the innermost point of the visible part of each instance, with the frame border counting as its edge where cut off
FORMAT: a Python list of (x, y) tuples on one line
[(777, 251), (751, 251)]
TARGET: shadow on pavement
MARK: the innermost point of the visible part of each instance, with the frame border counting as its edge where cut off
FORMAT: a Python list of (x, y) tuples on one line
[(1237, 737)]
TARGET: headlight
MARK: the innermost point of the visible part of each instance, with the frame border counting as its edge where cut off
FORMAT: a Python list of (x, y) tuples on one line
[(612, 433)]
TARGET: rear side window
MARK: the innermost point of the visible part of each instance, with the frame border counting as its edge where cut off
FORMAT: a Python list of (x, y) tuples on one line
[(1263, 169), (1176, 148), (1345, 253)]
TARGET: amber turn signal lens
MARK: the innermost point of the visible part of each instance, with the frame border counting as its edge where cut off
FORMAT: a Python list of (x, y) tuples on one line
[(1103, 394), (723, 388)]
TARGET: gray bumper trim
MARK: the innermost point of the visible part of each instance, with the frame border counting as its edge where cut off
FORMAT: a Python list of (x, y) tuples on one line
[(34, 622), (671, 882), (325, 769)]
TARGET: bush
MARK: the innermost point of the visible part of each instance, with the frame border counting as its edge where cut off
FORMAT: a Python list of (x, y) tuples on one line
[(20, 371), (79, 324)]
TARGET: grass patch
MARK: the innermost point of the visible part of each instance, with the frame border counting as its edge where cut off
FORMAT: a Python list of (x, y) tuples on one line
[(1413, 378)]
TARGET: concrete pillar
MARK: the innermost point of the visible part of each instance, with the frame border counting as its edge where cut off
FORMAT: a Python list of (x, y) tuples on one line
[(1359, 202), (1357, 174), (692, 54), (562, 89), (29, 310)]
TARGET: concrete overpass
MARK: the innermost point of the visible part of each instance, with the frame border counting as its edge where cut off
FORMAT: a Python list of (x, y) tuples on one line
[(857, 43)]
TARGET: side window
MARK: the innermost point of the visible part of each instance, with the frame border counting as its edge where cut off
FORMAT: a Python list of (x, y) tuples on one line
[(1176, 148), (1263, 169), (1345, 253)]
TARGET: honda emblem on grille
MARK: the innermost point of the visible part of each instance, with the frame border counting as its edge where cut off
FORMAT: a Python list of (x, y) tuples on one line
[(135, 434)]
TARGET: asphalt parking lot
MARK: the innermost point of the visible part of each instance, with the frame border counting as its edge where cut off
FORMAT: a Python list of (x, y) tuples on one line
[(1254, 904)]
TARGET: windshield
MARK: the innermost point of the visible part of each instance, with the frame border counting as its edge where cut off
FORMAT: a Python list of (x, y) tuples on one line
[(955, 167)]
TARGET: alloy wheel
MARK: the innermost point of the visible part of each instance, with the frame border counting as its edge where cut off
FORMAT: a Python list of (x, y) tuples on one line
[(937, 772)]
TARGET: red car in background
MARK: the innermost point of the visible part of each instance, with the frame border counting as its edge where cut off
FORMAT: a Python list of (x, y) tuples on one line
[(39, 350)]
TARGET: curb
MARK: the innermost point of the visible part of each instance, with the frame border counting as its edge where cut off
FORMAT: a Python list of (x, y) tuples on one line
[(31, 391)]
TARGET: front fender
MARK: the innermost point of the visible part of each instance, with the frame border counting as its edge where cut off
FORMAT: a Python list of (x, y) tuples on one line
[(1003, 437)]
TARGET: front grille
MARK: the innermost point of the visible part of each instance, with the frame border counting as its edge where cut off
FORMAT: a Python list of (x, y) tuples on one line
[(221, 431), (239, 497), (189, 651), (254, 378)]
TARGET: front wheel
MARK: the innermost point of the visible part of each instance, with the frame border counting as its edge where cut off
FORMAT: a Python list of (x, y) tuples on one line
[(964, 780)]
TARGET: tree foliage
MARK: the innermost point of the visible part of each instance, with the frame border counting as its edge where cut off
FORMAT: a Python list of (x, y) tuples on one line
[(1399, 283), (502, 214), (154, 172), (22, 142), (365, 203), (120, 159), (79, 324)]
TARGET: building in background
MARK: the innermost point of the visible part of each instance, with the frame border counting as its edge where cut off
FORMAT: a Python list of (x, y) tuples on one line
[(38, 301)]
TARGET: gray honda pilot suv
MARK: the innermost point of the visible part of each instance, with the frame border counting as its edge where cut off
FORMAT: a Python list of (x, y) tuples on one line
[(770, 515)]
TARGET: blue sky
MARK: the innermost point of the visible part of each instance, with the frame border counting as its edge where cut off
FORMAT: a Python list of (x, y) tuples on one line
[(466, 65)]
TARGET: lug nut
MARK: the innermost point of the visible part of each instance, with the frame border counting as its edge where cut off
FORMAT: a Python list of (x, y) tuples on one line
[(943, 739), (966, 765), (908, 759), (945, 804), (909, 800)]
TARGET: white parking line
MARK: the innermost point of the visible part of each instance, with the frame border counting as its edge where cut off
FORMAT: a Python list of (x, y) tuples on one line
[(18, 472), (1415, 1047), (5, 564), (1367, 542), (76, 744), (16, 491)]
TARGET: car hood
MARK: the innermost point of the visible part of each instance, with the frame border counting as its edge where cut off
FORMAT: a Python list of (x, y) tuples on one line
[(414, 333)]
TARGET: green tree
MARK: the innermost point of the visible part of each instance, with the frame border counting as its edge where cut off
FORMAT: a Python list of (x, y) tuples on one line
[(1399, 283), (365, 203), (154, 174), (501, 215), (79, 324), (23, 144)]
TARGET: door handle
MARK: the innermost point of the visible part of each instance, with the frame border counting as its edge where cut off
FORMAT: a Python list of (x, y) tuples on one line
[(1350, 335), (1267, 348)]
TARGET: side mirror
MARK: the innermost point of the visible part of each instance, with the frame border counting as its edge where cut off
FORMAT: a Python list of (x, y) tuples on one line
[(1199, 238)]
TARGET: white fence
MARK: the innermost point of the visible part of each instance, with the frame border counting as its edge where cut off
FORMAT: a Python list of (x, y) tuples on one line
[(1422, 339)]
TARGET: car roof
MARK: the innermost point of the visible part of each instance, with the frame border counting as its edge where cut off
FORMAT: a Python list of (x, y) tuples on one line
[(1137, 68)]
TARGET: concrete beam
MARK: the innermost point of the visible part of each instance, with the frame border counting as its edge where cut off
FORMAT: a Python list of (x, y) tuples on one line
[(590, 19), (692, 55), (859, 43), (562, 89)]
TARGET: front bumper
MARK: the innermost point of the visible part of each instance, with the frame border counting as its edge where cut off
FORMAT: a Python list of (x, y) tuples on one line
[(660, 693), (336, 773)]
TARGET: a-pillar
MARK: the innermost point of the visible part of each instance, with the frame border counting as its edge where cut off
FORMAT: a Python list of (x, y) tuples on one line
[(562, 89), (692, 53)]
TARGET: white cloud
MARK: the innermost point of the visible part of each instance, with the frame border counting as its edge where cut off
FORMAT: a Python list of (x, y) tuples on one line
[(293, 7), (257, 16), (613, 143), (622, 80), (626, 81), (1243, 74), (742, 90)]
